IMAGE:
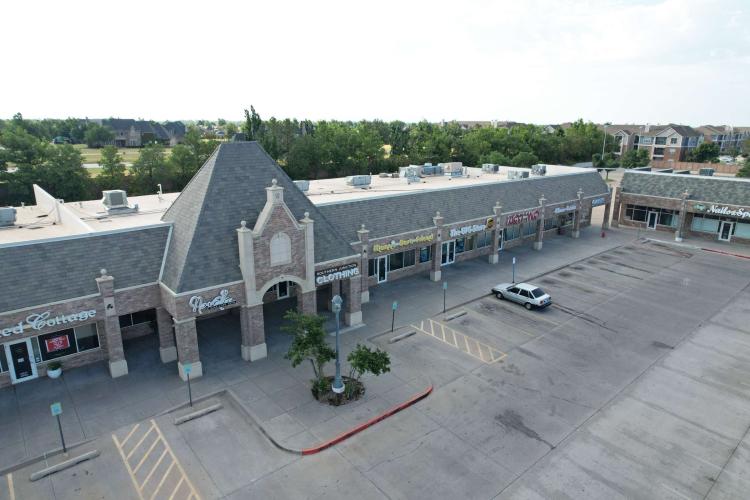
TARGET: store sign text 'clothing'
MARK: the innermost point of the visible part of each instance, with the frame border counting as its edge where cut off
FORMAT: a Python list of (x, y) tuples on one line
[(741, 213), (219, 302), (336, 273), (394, 244), (528, 215), (39, 321)]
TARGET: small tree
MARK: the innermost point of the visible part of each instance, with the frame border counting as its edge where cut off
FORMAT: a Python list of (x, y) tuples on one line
[(96, 135), (113, 169), (309, 343), (745, 170), (706, 152), (364, 360), (524, 160), (634, 158)]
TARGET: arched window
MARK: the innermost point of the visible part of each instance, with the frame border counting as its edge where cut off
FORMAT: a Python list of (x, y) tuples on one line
[(281, 249)]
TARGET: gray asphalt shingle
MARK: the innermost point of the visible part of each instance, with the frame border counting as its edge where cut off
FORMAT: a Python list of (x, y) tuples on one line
[(712, 189)]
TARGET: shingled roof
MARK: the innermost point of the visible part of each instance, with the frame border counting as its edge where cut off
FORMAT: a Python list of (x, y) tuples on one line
[(701, 188), (396, 214), (49, 271), (230, 188)]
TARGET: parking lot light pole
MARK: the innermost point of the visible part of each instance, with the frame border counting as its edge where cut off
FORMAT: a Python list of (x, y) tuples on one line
[(393, 316), (445, 289), (338, 384)]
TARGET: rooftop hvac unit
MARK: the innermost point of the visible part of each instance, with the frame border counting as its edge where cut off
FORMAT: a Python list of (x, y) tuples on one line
[(539, 169), (7, 216), (303, 186), (114, 199), (359, 180), (524, 174), (490, 167), (708, 172), (453, 166)]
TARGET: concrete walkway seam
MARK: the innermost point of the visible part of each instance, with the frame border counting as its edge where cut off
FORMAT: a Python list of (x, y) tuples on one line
[(198, 414), (35, 476), (722, 252)]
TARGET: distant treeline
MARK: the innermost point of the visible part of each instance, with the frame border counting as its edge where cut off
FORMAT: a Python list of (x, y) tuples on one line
[(305, 149)]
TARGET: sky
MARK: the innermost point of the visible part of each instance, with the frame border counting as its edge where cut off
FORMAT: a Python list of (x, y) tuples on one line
[(661, 61)]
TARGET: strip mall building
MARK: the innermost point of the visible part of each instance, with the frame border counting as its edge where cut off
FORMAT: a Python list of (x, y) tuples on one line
[(715, 208), (81, 278)]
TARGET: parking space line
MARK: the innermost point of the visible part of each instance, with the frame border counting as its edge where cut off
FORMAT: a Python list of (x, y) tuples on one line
[(11, 488), (471, 346), (174, 464)]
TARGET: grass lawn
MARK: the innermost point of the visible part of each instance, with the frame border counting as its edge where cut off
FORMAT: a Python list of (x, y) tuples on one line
[(129, 155)]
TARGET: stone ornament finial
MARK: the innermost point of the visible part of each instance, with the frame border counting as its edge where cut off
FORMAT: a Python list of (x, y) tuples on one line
[(274, 182), (437, 214), (103, 272), (243, 224), (542, 200), (307, 215), (362, 227)]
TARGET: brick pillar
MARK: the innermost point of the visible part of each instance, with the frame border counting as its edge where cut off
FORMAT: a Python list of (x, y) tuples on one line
[(538, 241), (607, 208), (110, 326), (306, 302), (253, 331), (494, 258), (167, 347), (682, 218), (616, 209), (352, 305), (577, 217), (437, 249), (186, 334), (364, 269)]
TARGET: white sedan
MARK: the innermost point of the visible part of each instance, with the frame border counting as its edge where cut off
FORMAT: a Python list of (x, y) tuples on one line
[(524, 293)]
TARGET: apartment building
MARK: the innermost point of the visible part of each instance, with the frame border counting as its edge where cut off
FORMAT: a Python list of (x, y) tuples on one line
[(663, 142), (727, 137)]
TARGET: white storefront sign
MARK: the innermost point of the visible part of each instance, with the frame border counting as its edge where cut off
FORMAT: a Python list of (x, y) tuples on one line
[(598, 201), (39, 321), (725, 210), (336, 273), (219, 302), (562, 210), (461, 231)]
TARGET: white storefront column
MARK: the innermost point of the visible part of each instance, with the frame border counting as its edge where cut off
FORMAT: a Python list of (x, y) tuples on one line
[(437, 253), (364, 267), (494, 257)]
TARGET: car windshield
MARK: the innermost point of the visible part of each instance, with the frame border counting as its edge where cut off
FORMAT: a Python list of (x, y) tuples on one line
[(537, 292)]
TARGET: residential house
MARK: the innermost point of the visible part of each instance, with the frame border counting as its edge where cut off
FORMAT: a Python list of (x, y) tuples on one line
[(136, 133)]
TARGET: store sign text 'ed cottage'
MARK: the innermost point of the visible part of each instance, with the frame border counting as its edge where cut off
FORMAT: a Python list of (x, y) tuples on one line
[(219, 302), (39, 321), (394, 244), (741, 213), (528, 215), (336, 273)]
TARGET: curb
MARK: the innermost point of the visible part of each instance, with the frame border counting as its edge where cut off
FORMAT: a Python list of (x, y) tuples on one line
[(44, 456), (35, 476), (197, 414), (722, 252), (390, 412)]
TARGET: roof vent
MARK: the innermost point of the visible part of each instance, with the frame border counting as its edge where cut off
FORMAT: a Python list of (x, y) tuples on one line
[(116, 201), (7, 216), (359, 180), (303, 186), (539, 169)]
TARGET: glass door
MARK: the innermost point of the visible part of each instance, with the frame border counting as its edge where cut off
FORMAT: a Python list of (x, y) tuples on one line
[(382, 270), (725, 230), (501, 239), (282, 289), (20, 361), (652, 218), (448, 253)]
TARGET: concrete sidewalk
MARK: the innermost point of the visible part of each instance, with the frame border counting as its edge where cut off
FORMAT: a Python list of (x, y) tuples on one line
[(95, 404)]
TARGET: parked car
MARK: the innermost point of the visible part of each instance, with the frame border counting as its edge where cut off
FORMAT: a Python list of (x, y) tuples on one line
[(531, 296)]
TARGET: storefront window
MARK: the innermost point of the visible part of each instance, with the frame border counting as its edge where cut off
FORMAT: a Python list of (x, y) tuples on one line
[(639, 213), (409, 258), (460, 243), (371, 267), (396, 261), (742, 230), (484, 239), (425, 254), (471, 242), (86, 337), (512, 232), (57, 344), (137, 318)]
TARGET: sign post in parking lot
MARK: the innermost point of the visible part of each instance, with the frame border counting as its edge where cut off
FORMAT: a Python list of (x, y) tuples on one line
[(393, 317), (445, 289), (56, 410), (187, 369), (514, 270)]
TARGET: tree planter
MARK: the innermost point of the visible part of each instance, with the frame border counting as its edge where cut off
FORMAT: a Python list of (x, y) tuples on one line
[(353, 390), (54, 370)]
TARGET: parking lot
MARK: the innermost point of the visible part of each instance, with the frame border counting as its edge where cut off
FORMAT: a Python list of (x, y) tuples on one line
[(632, 384)]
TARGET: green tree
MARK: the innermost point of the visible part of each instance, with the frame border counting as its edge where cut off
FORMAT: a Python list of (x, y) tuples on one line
[(608, 161), (19, 147), (151, 168), (113, 169), (97, 135), (188, 157), (253, 124), (706, 152), (635, 158), (309, 343), (524, 159), (745, 170), (231, 129)]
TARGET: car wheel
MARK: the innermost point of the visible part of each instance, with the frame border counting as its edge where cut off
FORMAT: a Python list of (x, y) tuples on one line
[(499, 295), (527, 305)]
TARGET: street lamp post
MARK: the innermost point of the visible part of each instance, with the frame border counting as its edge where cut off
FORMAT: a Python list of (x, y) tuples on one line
[(338, 384)]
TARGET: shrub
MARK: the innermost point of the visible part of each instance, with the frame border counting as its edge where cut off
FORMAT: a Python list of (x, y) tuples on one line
[(308, 343)]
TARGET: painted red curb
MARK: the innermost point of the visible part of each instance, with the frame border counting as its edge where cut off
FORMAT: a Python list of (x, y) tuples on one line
[(369, 423), (726, 253)]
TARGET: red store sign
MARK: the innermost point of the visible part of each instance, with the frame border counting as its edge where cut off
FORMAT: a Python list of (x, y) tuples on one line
[(528, 215), (57, 343)]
